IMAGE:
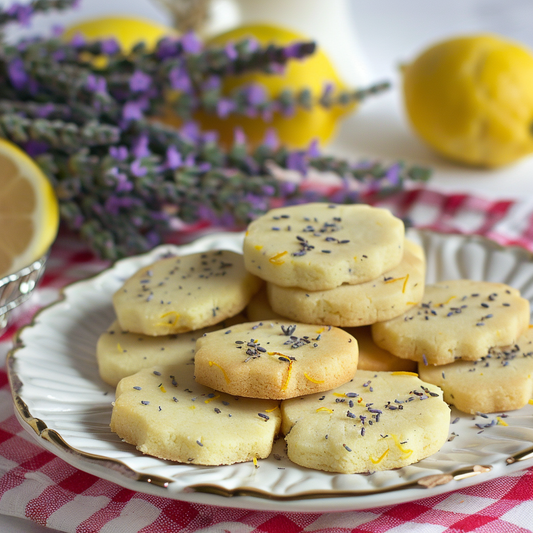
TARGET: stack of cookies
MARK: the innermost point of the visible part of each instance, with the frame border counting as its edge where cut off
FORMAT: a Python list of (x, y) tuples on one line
[(223, 388), (338, 265), (472, 339)]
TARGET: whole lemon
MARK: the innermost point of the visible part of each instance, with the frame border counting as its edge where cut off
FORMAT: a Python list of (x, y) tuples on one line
[(313, 72), (471, 99), (128, 31)]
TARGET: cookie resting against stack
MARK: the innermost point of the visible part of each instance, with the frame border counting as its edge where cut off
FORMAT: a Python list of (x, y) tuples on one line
[(472, 339), (219, 401)]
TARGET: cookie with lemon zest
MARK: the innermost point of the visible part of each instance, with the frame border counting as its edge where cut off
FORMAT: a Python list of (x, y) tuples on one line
[(400, 421), (320, 246), (276, 360), (459, 319), (502, 380), (120, 353), (163, 412), (383, 298), (185, 293)]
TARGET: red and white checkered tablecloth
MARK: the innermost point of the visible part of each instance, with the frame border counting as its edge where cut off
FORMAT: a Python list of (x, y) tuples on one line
[(38, 486)]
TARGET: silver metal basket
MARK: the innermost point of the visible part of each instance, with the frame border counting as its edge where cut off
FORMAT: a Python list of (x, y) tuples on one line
[(17, 287)]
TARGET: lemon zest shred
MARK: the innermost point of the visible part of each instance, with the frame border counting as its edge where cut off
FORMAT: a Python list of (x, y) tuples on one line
[(405, 283), (530, 402), (404, 373), (289, 372), (411, 303), (501, 422), (393, 280), (379, 459), (321, 330), (360, 399), (212, 363), (255, 462), (169, 323), (162, 388), (119, 347), (192, 406), (446, 302), (273, 409), (258, 247), (339, 394), (209, 400), (407, 453), (313, 380), (324, 409), (275, 259)]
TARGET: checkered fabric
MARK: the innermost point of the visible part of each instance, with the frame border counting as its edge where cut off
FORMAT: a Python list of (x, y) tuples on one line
[(38, 486)]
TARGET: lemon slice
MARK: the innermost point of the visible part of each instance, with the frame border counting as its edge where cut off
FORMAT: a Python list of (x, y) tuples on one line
[(29, 212)]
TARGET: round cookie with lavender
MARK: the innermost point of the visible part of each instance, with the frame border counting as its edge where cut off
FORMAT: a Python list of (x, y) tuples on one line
[(320, 246), (275, 360), (186, 293), (120, 354), (502, 380), (388, 296), (460, 319), (372, 357), (163, 412), (377, 421)]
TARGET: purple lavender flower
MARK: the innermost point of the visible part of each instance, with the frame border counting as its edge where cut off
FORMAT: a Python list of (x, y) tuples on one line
[(78, 40), (57, 30), (393, 174), (191, 131), (231, 51), (191, 44), (120, 153), (96, 84), (17, 73), (140, 147), (23, 13), (167, 47), (213, 82), (312, 150), (133, 110), (271, 139), (174, 159), (225, 107), (297, 161), (110, 46), (239, 137), (123, 184), (179, 79), (140, 81), (137, 169), (255, 94)]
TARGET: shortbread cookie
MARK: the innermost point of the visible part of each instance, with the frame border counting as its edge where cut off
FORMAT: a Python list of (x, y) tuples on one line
[(499, 381), (372, 357), (185, 293), (164, 412), (259, 308), (383, 298), (321, 246), (120, 354), (378, 421), (275, 359), (459, 319)]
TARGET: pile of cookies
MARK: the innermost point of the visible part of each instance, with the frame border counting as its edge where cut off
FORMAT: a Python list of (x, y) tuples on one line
[(472, 339), (199, 382), (337, 265)]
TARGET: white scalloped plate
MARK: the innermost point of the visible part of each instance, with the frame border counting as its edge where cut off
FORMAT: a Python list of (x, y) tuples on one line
[(63, 403)]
